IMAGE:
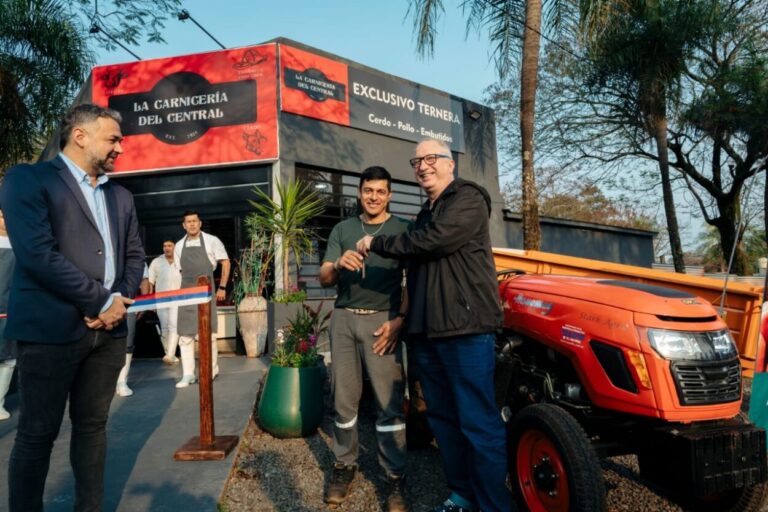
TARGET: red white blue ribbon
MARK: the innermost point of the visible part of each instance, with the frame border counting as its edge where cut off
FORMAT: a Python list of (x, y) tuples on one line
[(171, 299)]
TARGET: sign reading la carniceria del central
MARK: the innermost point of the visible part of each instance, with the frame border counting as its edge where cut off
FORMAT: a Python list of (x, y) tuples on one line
[(325, 89), (198, 110), (220, 108)]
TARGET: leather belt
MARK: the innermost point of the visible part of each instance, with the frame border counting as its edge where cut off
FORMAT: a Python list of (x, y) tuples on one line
[(361, 311)]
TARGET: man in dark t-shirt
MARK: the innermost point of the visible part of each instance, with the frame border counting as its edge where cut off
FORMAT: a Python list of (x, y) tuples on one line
[(367, 319)]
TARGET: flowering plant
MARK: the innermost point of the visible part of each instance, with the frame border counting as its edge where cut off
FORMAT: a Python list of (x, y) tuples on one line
[(296, 344)]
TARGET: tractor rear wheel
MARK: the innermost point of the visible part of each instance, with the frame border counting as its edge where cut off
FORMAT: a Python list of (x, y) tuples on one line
[(552, 463)]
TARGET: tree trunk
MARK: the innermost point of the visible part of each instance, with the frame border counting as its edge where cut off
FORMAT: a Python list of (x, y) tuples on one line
[(659, 126), (728, 227), (528, 83)]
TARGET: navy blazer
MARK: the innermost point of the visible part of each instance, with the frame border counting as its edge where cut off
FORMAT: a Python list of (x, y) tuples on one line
[(59, 252)]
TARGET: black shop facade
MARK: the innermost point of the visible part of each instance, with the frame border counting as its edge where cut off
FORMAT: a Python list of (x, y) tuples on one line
[(203, 130)]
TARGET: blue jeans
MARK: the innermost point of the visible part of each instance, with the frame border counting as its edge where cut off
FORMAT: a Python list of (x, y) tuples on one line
[(457, 379), (85, 372)]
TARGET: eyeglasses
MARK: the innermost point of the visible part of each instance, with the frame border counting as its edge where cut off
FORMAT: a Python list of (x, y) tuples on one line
[(428, 159)]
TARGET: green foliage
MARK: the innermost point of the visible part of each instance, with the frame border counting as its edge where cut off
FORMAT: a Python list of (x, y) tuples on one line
[(296, 346), (286, 219), (44, 58), (254, 261), (291, 295), (46, 54), (568, 198), (642, 47), (753, 244), (504, 23), (128, 21)]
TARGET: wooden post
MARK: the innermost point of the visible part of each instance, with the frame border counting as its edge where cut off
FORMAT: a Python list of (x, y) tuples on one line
[(206, 446)]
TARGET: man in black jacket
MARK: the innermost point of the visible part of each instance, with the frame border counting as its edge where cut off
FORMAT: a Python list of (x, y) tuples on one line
[(453, 316)]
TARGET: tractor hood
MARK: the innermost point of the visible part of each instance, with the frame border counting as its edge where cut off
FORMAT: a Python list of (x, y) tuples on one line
[(628, 295)]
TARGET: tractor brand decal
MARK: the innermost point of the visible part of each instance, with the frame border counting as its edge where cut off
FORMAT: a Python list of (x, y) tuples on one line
[(690, 301), (543, 307), (572, 334), (603, 321), (203, 110)]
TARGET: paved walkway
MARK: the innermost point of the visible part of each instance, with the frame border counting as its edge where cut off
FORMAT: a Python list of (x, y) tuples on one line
[(144, 430)]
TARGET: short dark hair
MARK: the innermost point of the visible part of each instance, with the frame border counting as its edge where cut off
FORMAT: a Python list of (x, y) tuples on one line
[(83, 114), (187, 213), (169, 240), (375, 173)]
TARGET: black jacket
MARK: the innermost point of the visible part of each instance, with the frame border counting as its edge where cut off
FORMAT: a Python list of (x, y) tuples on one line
[(451, 275)]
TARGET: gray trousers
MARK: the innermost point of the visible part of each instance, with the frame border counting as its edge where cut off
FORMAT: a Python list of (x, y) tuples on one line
[(351, 346)]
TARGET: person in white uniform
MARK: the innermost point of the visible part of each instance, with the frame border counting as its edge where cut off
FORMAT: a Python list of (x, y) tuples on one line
[(121, 388), (164, 276), (197, 254)]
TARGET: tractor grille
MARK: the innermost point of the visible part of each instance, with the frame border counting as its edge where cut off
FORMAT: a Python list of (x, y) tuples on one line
[(701, 383)]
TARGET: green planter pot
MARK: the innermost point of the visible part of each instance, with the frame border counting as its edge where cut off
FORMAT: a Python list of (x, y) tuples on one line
[(291, 402)]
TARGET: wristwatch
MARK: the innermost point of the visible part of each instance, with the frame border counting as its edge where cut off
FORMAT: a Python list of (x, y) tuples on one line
[(222, 287), (400, 314)]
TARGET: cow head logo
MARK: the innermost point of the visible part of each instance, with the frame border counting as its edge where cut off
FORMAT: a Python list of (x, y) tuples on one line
[(112, 78), (253, 140)]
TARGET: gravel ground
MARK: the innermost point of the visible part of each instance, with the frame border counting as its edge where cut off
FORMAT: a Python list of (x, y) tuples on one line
[(289, 475)]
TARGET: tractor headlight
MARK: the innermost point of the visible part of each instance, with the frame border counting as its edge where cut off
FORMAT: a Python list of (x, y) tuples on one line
[(693, 346)]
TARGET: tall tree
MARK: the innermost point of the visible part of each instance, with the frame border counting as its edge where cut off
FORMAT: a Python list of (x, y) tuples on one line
[(642, 47), (731, 111), (44, 58), (46, 53), (515, 27)]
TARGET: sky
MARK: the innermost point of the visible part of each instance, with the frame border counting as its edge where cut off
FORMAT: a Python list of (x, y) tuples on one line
[(375, 34)]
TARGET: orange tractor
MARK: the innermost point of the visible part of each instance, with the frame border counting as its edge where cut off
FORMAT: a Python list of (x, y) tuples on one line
[(598, 367)]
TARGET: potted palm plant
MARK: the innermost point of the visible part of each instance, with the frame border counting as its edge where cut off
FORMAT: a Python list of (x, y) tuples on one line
[(285, 220), (291, 403), (253, 266)]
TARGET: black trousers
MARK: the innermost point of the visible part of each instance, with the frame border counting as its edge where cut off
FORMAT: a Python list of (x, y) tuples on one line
[(85, 372)]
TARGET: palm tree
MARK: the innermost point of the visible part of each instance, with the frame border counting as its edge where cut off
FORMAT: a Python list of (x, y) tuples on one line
[(285, 220), (508, 22), (44, 59), (644, 46)]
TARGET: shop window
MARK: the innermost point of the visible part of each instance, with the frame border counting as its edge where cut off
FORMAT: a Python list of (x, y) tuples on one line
[(340, 193)]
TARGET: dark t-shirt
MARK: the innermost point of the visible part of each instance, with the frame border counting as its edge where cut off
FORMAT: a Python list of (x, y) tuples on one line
[(380, 289)]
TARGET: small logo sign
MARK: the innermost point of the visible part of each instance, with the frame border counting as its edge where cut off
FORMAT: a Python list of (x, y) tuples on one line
[(572, 334), (250, 58), (543, 307), (314, 84), (112, 79), (253, 139)]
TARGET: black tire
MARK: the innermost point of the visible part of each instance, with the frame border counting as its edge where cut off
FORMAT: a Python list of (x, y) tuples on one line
[(552, 464)]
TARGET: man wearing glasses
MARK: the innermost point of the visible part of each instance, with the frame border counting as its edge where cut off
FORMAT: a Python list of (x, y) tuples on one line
[(453, 315)]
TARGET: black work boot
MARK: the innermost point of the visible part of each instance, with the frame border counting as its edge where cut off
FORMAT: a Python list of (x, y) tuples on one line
[(341, 483), (396, 501)]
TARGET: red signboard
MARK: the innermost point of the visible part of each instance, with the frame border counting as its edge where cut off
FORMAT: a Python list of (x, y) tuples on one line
[(194, 111), (314, 86), (350, 95)]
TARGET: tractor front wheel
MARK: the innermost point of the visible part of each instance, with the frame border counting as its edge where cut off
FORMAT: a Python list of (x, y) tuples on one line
[(552, 463)]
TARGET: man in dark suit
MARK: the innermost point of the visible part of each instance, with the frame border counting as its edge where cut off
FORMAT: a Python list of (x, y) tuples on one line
[(79, 261)]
